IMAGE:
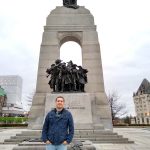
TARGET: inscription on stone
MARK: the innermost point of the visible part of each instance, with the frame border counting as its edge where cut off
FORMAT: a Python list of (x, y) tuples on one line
[(78, 104)]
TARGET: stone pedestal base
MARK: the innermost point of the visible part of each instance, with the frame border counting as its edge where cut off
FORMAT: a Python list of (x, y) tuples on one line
[(79, 104), (90, 111)]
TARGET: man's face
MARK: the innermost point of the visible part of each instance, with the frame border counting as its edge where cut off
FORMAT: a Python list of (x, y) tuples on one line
[(60, 103)]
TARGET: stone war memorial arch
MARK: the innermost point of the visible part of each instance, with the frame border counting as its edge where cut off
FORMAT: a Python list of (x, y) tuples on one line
[(90, 109)]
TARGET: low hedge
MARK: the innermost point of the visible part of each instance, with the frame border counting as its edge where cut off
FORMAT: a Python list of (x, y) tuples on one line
[(13, 120)]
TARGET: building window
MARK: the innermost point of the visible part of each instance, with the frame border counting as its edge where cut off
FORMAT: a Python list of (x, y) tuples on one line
[(147, 120)]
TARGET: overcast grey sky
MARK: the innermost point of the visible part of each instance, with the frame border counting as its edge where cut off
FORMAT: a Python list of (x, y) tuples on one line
[(124, 34)]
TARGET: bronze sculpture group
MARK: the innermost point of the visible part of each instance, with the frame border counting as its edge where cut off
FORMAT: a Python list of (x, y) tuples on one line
[(67, 77), (70, 4)]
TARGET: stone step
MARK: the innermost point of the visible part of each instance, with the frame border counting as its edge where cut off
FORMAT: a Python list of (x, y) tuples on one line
[(29, 148), (38, 132), (113, 142), (16, 140), (13, 140), (100, 136), (87, 145), (123, 140), (100, 139), (105, 136), (98, 133), (35, 132), (116, 141), (43, 148), (75, 136)]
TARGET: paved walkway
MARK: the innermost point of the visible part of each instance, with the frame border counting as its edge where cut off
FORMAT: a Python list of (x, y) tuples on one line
[(141, 137), (6, 134)]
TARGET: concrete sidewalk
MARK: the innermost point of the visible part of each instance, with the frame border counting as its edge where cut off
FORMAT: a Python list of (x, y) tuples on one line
[(6, 134), (141, 137)]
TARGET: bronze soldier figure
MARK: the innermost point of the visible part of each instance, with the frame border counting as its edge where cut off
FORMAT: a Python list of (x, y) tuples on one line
[(70, 4), (66, 78)]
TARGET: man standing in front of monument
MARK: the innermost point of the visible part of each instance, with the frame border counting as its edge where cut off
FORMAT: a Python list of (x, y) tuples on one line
[(58, 128)]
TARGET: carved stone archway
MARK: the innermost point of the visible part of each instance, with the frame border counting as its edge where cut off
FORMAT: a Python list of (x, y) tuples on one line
[(77, 25)]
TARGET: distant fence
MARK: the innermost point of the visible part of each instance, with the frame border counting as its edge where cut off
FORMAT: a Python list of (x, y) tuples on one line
[(130, 125)]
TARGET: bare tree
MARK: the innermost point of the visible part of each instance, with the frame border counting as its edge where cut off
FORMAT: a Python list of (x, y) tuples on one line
[(1, 104), (3, 98), (29, 99), (118, 109)]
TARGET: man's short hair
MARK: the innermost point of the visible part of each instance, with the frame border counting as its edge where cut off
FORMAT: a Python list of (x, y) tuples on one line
[(59, 97)]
